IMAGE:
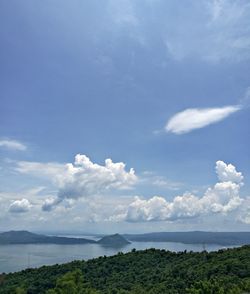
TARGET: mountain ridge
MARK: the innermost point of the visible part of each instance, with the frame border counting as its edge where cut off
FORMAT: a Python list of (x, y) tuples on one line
[(192, 237), (26, 237)]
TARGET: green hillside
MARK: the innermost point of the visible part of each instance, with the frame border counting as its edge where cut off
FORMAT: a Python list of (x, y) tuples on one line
[(150, 271)]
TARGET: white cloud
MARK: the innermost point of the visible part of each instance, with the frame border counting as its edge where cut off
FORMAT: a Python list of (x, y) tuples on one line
[(12, 145), (196, 118), (222, 198), (83, 178), (52, 202), (20, 206), (228, 173)]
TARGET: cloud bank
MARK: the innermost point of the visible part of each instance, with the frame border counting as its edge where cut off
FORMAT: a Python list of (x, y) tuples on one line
[(223, 198), (196, 118), (91, 183)]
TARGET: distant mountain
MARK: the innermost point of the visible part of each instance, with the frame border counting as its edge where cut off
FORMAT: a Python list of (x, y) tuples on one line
[(113, 240), (25, 237), (196, 237)]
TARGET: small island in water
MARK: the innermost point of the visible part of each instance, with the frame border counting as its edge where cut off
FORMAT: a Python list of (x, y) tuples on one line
[(113, 240)]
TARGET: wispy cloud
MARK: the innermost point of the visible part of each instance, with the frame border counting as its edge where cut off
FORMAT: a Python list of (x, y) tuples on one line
[(222, 33), (245, 101), (196, 118), (12, 145), (123, 12), (216, 7), (151, 179)]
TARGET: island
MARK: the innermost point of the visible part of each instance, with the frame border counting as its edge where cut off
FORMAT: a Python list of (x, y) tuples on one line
[(113, 240)]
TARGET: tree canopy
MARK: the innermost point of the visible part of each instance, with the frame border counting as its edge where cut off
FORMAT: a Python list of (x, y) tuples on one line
[(150, 271)]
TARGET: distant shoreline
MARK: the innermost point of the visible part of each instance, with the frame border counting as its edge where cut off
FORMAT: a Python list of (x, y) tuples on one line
[(195, 237)]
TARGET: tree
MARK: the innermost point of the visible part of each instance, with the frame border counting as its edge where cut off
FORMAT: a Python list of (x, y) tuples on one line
[(72, 283)]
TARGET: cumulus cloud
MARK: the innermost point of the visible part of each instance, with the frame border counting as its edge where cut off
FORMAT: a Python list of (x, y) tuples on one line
[(196, 118), (82, 178), (12, 145), (52, 202), (228, 173), (223, 198), (20, 206)]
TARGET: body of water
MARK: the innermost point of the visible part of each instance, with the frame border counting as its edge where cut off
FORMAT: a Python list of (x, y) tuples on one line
[(17, 257)]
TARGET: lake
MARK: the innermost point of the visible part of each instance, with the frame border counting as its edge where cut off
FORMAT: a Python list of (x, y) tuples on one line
[(17, 257)]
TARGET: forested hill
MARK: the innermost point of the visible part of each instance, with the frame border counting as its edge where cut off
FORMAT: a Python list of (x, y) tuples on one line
[(25, 237), (140, 272)]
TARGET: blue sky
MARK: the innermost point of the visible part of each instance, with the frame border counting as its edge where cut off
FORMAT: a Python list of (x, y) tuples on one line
[(162, 86)]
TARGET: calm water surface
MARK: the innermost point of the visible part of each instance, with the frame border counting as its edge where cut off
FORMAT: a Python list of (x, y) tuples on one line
[(18, 257)]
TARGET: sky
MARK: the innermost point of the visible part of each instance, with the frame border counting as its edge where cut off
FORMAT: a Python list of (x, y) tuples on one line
[(125, 116)]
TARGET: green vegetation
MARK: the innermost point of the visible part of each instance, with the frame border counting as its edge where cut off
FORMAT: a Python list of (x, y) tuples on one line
[(150, 271)]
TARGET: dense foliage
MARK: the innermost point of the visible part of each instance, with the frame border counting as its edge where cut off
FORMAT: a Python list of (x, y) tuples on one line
[(150, 271)]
